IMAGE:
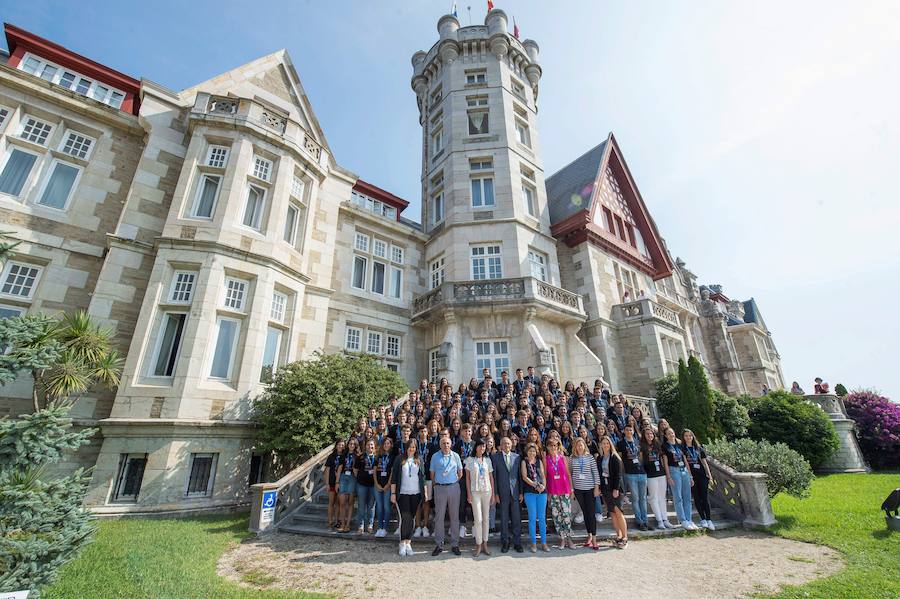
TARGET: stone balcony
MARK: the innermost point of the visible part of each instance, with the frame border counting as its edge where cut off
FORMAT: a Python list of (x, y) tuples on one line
[(645, 310), (677, 302), (492, 293), (233, 111)]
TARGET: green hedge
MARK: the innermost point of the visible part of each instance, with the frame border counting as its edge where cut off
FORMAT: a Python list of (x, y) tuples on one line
[(781, 417), (788, 471)]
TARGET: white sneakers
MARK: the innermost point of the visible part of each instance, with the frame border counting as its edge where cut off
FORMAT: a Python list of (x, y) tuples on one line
[(420, 532), (708, 524), (462, 532), (361, 530), (688, 525), (664, 524), (417, 532), (599, 517), (405, 549), (579, 519), (381, 533)]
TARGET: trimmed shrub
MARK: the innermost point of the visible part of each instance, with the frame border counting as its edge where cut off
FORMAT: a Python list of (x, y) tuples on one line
[(311, 402), (840, 390), (732, 419), (787, 470), (780, 417), (877, 427)]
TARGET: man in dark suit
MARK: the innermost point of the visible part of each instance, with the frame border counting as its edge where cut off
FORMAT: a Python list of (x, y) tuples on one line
[(506, 495)]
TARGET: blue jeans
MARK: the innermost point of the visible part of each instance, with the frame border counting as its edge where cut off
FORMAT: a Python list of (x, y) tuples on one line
[(598, 505), (365, 505), (681, 493), (637, 487), (536, 503), (383, 507)]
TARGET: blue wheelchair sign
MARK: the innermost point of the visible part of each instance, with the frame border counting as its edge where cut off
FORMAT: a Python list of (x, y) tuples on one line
[(267, 512), (269, 499)]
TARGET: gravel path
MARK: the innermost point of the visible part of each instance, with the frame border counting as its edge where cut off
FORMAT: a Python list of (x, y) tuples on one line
[(732, 563)]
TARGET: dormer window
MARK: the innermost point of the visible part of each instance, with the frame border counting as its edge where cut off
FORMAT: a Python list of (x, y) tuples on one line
[(71, 80)]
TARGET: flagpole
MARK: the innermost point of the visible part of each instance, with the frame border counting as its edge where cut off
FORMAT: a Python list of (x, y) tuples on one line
[(469, 8)]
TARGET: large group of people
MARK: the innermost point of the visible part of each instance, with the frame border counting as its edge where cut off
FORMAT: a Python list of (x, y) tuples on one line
[(488, 448)]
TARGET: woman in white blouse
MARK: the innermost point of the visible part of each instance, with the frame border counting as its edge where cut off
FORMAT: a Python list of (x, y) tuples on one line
[(480, 487)]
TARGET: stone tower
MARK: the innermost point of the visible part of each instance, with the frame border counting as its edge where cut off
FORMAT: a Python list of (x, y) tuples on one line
[(492, 266)]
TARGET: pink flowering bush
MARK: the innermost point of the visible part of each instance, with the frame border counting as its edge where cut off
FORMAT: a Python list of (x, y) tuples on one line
[(878, 427)]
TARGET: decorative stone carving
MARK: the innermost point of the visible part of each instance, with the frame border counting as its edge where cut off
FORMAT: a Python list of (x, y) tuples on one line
[(483, 290), (557, 295), (273, 121), (742, 495), (222, 105), (311, 146)]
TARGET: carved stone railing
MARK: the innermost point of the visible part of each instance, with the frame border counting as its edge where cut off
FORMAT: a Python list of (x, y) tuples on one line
[(646, 404), (521, 289), (743, 496), (830, 404), (255, 114), (849, 456), (643, 309)]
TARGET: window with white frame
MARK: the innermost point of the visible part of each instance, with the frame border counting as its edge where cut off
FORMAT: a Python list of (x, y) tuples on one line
[(297, 187), (168, 344), (672, 352), (4, 114), (493, 355), (58, 188), (433, 365), (378, 276), (396, 254), (10, 311), (476, 77), (517, 88), (182, 289), (296, 217), (217, 156), (373, 342), (360, 265), (481, 164), (227, 331), (482, 192), (130, 476), (476, 101), (19, 280), (437, 141), (486, 262), (77, 145), (437, 272), (626, 282), (523, 134), (437, 207), (71, 80), (253, 209), (478, 122), (203, 474), (393, 346), (279, 306), (396, 288), (528, 198), (353, 341), (379, 249), (373, 205), (35, 131), (235, 294), (207, 194), (262, 168), (554, 363), (16, 171), (361, 242), (271, 353), (538, 261)]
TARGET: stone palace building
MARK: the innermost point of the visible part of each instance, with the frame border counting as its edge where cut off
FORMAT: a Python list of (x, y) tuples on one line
[(215, 232)]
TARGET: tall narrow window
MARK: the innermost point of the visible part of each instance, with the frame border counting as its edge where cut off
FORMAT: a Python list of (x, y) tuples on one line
[(168, 344), (253, 210), (396, 282), (16, 171), (290, 224), (538, 263), (131, 474), (437, 272), (59, 186), (373, 342), (482, 192), (226, 342), (437, 207), (359, 272), (528, 200), (493, 355), (437, 141), (279, 307), (523, 135), (270, 354), (433, 365), (393, 346), (378, 277), (207, 192), (203, 470), (478, 122), (354, 339)]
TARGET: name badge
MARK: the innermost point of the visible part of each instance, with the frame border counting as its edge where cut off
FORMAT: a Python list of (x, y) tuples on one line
[(555, 477), (656, 464), (372, 472), (580, 476), (696, 466), (384, 473), (680, 464), (635, 460)]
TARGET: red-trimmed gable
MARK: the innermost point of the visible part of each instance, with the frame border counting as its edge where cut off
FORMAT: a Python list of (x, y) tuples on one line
[(619, 223), (384, 196), (21, 42)]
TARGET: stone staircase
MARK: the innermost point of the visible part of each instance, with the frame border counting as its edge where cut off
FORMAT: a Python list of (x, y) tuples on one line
[(311, 519)]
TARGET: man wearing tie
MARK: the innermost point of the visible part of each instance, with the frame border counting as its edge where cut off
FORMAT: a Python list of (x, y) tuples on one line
[(506, 489), (446, 470)]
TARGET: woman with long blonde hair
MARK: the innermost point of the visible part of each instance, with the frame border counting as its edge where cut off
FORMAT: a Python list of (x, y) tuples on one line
[(610, 466)]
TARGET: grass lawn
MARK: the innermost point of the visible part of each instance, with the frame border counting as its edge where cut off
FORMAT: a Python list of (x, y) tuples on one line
[(843, 513), (161, 559)]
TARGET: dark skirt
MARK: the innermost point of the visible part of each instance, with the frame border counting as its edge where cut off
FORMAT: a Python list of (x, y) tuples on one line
[(612, 502)]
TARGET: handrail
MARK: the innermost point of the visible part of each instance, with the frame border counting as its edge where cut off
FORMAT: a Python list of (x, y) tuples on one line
[(295, 488)]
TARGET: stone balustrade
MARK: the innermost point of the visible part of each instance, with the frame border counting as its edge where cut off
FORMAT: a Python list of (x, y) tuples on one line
[(646, 404), (499, 290), (251, 113), (848, 457), (643, 309), (741, 495)]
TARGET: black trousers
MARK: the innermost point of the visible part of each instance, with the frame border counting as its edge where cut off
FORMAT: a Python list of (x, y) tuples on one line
[(408, 504), (700, 491), (586, 501)]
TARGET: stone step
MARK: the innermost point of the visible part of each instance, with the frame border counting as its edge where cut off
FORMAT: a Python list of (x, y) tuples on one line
[(604, 531)]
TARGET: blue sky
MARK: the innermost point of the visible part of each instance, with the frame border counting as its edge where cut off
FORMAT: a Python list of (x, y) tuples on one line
[(764, 136)]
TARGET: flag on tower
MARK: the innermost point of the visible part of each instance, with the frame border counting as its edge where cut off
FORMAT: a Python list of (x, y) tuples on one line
[(515, 29), (490, 5), (453, 12)]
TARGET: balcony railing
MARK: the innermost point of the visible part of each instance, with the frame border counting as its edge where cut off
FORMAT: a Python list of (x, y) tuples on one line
[(644, 309), (499, 290), (678, 300), (254, 114)]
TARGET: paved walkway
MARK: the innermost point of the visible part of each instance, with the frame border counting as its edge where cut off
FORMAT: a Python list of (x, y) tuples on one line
[(733, 563)]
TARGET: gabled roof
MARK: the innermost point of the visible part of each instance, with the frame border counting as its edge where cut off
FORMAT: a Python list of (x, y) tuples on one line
[(570, 188), (573, 195)]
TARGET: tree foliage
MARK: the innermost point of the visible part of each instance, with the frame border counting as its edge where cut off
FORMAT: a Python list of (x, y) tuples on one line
[(667, 397), (731, 418), (877, 427), (781, 417), (310, 403), (840, 390), (787, 470)]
